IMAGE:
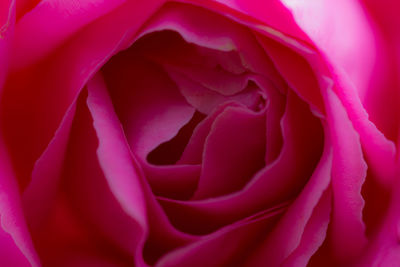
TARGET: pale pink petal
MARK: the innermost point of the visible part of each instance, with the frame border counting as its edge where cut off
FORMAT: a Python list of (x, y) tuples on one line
[(174, 181), (345, 35), (358, 57)]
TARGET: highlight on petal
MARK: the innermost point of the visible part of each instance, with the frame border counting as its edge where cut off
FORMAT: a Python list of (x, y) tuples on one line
[(348, 175)]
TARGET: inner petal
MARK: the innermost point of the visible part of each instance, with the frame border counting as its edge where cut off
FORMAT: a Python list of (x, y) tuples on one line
[(171, 79)]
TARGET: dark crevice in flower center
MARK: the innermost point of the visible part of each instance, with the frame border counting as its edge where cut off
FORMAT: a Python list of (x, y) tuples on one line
[(168, 153), (207, 78)]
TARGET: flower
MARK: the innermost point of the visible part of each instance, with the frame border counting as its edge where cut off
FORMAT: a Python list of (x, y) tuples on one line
[(198, 133)]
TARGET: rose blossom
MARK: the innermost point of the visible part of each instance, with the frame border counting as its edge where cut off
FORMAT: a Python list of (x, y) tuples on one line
[(199, 133)]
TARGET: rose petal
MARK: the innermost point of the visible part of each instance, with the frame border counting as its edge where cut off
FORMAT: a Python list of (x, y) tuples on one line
[(35, 37), (7, 17), (29, 93), (234, 151), (314, 233), (226, 37), (288, 62), (193, 153), (175, 181), (206, 101), (15, 241), (125, 178), (272, 13), (114, 157), (46, 175), (277, 179), (16, 248), (275, 107), (301, 220), (348, 174), (237, 240), (144, 103), (353, 77)]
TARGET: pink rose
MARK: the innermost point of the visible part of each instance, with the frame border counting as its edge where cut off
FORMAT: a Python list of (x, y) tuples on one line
[(199, 133)]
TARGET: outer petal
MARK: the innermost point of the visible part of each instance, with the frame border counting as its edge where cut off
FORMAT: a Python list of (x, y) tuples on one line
[(35, 37), (348, 237), (359, 66), (30, 94), (16, 248)]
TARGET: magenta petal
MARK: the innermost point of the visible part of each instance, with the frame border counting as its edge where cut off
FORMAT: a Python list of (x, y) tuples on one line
[(314, 233), (145, 103), (288, 62), (7, 16), (35, 36), (115, 157), (227, 247), (193, 153), (175, 181), (215, 79), (272, 13), (46, 175), (113, 153), (234, 151), (310, 212), (348, 174), (194, 24), (16, 248), (126, 180), (274, 184), (275, 107), (67, 68), (205, 100)]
